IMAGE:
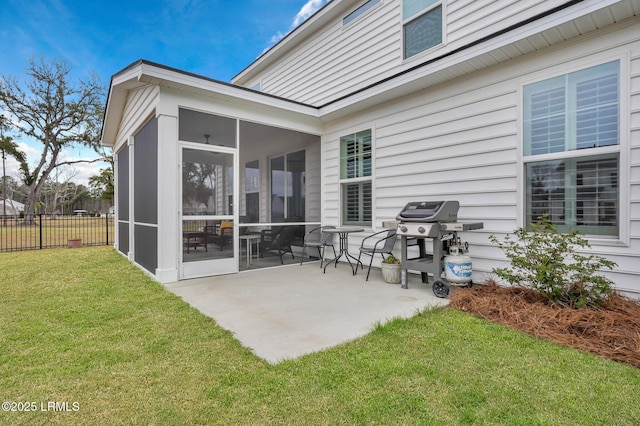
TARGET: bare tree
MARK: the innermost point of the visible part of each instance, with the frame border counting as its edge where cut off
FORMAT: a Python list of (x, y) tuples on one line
[(58, 190), (54, 111)]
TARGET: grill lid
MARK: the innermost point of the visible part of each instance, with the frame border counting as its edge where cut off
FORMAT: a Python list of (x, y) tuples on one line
[(429, 211)]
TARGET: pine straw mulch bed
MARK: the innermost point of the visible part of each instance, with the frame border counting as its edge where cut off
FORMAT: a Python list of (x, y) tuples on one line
[(613, 331)]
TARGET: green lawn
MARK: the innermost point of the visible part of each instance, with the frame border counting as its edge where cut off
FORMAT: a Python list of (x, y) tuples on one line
[(83, 326)]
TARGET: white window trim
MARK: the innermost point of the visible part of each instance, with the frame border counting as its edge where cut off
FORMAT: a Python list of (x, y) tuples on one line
[(342, 182), (426, 52), (623, 238)]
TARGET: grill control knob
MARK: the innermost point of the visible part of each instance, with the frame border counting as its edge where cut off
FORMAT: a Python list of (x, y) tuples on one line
[(421, 229), (403, 228)]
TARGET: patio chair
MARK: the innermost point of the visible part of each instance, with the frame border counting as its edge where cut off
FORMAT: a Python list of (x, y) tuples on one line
[(277, 240), (298, 230), (220, 234), (320, 240), (381, 242)]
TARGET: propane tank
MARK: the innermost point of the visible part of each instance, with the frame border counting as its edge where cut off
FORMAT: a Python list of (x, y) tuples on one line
[(457, 267)]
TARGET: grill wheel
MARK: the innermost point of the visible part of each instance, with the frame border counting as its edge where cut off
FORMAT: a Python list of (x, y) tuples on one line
[(440, 289)]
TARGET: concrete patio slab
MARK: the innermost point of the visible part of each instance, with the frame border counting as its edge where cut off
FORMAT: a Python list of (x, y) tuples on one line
[(285, 312)]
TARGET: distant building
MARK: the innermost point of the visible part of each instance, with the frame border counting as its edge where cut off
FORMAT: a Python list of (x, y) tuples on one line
[(13, 208)]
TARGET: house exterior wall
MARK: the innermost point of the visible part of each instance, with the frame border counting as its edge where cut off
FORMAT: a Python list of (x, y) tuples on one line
[(462, 140), (454, 131), (140, 105), (338, 59)]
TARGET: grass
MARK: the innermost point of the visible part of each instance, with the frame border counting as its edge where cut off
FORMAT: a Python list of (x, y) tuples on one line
[(85, 326)]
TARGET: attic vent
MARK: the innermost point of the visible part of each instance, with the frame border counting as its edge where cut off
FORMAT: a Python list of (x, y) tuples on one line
[(359, 12)]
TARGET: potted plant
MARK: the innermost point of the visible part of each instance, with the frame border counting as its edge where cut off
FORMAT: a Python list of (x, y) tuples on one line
[(391, 269)]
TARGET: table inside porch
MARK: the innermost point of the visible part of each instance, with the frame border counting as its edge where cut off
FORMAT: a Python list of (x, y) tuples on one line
[(250, 239)]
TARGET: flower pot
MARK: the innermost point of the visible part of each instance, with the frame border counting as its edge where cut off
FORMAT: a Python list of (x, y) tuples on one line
[(391, 272), (74, 242)]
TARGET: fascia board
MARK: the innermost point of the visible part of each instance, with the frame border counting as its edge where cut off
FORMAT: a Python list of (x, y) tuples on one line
[(191, 83), (143, 73)]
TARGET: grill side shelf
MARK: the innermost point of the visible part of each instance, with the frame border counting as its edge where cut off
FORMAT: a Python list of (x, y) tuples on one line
[(461, 226)]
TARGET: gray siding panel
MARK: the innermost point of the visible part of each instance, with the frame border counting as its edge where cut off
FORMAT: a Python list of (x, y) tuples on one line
[(146, 247), (123, 237), (123, 184), (146, 173), (122, 200)]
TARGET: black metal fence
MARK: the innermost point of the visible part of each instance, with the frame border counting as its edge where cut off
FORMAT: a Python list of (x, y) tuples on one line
[(48, 231)]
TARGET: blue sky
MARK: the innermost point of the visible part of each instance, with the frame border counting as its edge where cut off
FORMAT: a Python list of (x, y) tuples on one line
[(214, 38)]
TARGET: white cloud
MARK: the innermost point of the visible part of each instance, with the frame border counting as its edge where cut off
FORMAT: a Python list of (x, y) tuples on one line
[(277, 37), (81, 172), (309, 8), (31, 152), (11, 167)]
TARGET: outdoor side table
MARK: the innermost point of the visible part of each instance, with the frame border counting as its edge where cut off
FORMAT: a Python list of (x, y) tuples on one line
[(343, 234), (198, 237), (250, 238)]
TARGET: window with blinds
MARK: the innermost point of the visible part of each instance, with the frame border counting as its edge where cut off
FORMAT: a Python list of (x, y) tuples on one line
[(422, 25), (574, 111), (597, 111), (357, 203), (574, 118), (355, 178)]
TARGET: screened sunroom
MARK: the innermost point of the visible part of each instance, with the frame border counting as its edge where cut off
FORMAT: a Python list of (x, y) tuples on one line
[(258, 177), (210, 178)]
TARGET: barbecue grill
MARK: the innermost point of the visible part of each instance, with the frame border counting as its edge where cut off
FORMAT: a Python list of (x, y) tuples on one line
[(435, 220)]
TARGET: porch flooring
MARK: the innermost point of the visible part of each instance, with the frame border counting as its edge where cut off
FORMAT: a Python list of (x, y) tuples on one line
[(288, 311)]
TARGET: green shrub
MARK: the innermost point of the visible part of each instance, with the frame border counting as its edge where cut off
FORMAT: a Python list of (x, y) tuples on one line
[(391, 259), (547, 261)]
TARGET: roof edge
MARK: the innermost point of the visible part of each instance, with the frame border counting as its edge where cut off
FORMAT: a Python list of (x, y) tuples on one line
[(284, 40)]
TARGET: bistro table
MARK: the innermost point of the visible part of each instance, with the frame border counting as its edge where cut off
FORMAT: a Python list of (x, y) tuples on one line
[(343, 233)]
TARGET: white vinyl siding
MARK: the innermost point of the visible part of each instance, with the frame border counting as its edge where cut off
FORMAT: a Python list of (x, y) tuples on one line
[(462, 140), (336, 60), (359, 11), (141, 103)]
